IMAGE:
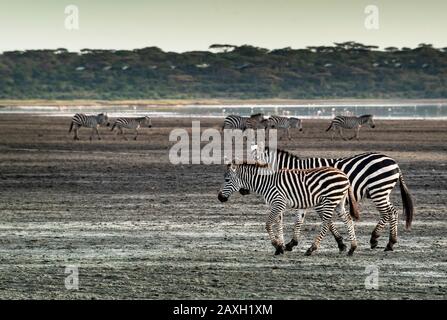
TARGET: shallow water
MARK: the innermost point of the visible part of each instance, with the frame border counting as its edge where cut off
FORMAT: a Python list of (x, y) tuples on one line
[(305, 111)]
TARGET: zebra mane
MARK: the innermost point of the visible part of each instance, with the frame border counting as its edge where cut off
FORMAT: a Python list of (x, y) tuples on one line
[(252, 164), (366, 116)]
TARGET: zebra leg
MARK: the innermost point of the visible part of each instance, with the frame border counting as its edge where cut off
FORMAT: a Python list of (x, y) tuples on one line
[(123, 134), (333, 133), (277, 241), (76, 129), (347, 220), (136, 134), (296, 230), (340, 131), (91, 135), (356, 135), (337, 236), (393, 228), (288, 134), (384, 218), (325, 212), (97, 133)]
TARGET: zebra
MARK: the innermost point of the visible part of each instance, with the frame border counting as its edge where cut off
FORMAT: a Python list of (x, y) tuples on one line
[(344, 122), (131, 123), (242, 123), (81, 120), (277, 122), (372, 175), (323, 188)]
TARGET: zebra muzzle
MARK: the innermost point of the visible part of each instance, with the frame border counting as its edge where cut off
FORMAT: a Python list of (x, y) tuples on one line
[(221, 197)]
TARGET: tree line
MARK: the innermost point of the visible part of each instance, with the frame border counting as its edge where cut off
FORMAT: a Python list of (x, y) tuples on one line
[(344, 70)]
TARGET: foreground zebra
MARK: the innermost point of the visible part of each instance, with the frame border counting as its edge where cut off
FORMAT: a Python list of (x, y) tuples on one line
[(131, 123), (243, 123), (372, 175), (81, 120), (277, 122), (344, 122), (322, 188)]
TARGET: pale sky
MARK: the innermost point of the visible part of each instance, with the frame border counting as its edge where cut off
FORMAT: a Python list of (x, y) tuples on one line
[(186, 25)]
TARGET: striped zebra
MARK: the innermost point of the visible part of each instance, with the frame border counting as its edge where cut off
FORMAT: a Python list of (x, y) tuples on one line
[(242, 123), (277, 122), (325, 189), (81, 120), (131, 123), (344, 122), (372, 175)]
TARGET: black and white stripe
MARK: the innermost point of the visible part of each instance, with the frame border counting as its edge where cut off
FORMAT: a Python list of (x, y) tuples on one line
[(81, 120), (372, 175), (243, 123), (131, 123), (284, 123), (325, 189), (344, 122)]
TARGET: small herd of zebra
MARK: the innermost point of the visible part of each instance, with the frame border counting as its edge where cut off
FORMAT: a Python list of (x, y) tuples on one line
[(257, 121), (95, 121), (287, 181)]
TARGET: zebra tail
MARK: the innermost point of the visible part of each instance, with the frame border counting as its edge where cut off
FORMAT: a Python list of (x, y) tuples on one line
[(353, 205), (330, 127), (407, 201), (71, 127)]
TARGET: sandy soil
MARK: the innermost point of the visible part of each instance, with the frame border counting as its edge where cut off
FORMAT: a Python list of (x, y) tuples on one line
[(138, 227)]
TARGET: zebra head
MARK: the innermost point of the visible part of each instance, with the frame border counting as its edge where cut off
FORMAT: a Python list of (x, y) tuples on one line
[(270, 123), (368, 119), (147, 122), (232, 182), (257, 117), (102, 119), (263, 124), (296, 123)]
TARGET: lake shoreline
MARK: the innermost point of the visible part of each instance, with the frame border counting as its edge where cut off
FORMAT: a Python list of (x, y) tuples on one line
[(217, 102)]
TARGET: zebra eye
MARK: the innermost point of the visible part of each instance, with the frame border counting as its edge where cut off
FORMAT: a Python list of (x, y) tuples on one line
[(227, 179)]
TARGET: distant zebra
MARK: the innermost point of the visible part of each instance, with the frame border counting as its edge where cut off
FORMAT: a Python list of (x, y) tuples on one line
[(277, 122), (322, 188), (344, 122), (372, 175), (242, 123), (131, 123), (81, 120)]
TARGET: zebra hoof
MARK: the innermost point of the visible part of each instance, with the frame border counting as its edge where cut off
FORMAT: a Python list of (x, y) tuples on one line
[(279, 250), (373, 243), (342, 247), (291, 244), (308, 252), (351, 251), (389, 247)]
